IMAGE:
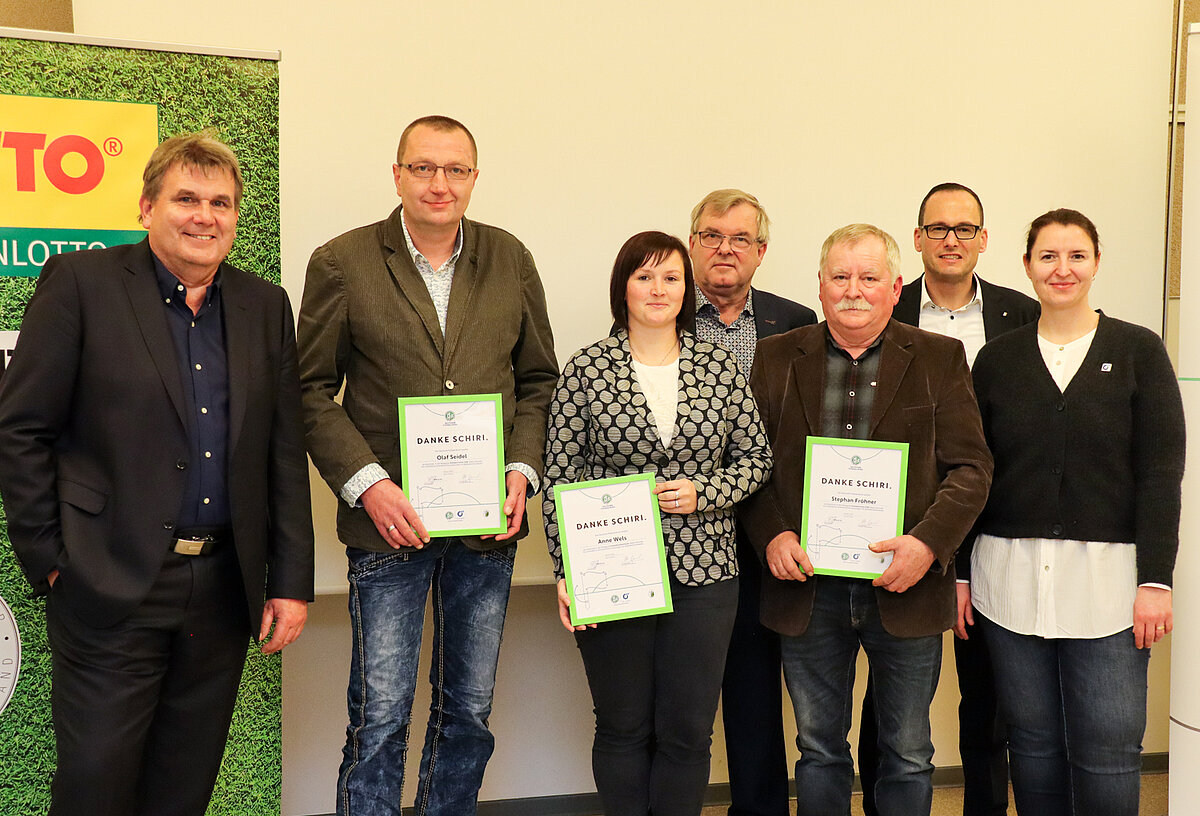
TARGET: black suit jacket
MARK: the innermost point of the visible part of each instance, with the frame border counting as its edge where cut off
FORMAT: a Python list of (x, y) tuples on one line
[(93, 435), (776, 315), (1004, 309)]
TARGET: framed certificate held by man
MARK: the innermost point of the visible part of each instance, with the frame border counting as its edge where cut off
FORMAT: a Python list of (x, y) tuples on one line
[(452, 463), (612, 549), (853, 497)]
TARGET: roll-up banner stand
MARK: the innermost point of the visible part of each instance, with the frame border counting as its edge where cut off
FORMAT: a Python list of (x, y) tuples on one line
[(79, 117)]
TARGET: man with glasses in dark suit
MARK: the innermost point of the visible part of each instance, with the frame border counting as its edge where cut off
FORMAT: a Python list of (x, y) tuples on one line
[(950, 299), (727, 243)]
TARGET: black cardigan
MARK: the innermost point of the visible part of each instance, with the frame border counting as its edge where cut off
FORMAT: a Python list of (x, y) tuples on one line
[(1102, 462)]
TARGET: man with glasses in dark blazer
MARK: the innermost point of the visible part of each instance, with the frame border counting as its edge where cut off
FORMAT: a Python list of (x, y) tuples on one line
[(950, 299), (727, 242)]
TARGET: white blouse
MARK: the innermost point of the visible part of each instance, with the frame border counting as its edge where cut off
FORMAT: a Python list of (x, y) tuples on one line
[(1056, 588), (660, 384)]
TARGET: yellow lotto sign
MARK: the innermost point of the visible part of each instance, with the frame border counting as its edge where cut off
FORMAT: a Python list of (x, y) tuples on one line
[(70, 176)]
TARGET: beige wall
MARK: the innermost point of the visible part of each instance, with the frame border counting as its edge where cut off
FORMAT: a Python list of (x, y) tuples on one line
[(599, 120)]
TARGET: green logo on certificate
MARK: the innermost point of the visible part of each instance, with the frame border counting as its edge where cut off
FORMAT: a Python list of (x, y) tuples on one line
[(856, 460), (606, 498), (449, 415)]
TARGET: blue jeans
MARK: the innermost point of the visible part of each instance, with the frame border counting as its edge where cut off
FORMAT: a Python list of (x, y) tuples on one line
[(387, 616), (1076, 709), (818, 667)]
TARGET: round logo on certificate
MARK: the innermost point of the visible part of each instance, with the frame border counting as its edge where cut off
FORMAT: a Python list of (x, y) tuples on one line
[(10, 654)]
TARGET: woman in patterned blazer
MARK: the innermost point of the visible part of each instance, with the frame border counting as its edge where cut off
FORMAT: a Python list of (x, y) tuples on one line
[(653, 399)]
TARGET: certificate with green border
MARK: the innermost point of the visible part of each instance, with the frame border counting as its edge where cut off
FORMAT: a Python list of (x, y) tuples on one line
[(612, 549), (452, 462), (853, 497)]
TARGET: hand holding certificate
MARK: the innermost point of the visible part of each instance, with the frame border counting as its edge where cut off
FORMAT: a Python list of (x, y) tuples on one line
[(853, 498), (452, 454), (612, 547)]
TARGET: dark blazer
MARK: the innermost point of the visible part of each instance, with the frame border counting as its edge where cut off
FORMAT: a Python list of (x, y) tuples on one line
[(772, 315), (601, 427), (924, 398), (93, 435), (367, 320), (1004, 309), (775, 315)]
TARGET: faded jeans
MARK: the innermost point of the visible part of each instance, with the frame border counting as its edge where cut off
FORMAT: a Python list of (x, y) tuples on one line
[(819, 669), (387, 616)]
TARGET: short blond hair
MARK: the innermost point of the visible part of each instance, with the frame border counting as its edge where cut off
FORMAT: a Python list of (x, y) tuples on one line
[(201, 150), (722, 201), (853, 233)]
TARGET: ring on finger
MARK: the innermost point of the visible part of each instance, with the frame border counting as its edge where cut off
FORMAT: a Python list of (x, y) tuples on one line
[(391, 527)]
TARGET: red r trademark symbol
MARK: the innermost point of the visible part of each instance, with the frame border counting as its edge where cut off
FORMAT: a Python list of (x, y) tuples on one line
[(113, 146)]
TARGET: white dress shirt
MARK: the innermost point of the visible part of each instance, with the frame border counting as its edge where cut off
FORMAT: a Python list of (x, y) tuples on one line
[(964, 324)]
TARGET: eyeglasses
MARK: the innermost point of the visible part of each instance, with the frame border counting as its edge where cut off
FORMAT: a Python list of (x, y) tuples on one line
[(713, 240), (964, 232), (427, 170)]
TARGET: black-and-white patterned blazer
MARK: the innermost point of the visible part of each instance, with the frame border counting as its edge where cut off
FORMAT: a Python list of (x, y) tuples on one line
[(601, 427)]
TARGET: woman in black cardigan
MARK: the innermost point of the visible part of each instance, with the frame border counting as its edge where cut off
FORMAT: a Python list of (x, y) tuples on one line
[(1071, 573), (652, 399)]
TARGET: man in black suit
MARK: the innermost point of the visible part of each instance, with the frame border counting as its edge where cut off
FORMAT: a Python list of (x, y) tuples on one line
[(153, 472), (727, 242), (951, 299)]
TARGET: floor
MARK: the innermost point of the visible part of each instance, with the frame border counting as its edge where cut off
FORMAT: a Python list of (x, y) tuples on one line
[(948, 801)]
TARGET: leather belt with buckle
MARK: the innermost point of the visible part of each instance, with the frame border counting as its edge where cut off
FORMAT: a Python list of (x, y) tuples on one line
[(200, 545)]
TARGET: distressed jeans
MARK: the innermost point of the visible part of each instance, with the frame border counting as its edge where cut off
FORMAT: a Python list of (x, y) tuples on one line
[(818, 667), (387, 615)]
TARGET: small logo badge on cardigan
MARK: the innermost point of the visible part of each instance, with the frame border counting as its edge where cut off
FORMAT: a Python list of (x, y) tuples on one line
[(1106, 366)]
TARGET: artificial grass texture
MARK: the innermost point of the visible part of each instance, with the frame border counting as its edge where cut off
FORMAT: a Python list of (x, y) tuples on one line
[(239, 100)]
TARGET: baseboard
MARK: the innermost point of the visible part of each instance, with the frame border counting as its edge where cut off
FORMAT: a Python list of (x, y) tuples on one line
[(588, 804)]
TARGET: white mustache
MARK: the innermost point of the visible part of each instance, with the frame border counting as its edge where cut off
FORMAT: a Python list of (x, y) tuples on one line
[(852, 304)]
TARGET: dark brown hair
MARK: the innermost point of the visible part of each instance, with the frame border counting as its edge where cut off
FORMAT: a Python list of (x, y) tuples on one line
[(650, 248), (947, 187), (1066, 218)]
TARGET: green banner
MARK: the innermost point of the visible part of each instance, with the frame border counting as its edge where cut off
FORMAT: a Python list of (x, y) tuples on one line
[(23, 251)]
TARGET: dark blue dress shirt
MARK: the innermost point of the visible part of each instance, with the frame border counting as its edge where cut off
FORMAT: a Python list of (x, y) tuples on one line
[(204, 372)]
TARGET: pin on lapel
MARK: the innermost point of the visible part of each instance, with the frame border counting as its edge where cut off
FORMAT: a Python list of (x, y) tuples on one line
[(1106, 367)]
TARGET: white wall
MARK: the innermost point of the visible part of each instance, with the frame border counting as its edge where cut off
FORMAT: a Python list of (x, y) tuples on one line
[(599, 120)]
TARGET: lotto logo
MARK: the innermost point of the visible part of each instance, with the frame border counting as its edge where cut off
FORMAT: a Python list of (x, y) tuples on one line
[(25, 148), (70, 176), (75, 164)]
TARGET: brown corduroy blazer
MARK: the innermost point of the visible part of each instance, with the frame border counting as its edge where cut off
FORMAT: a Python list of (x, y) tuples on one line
[(367, 320), (924, 398)]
